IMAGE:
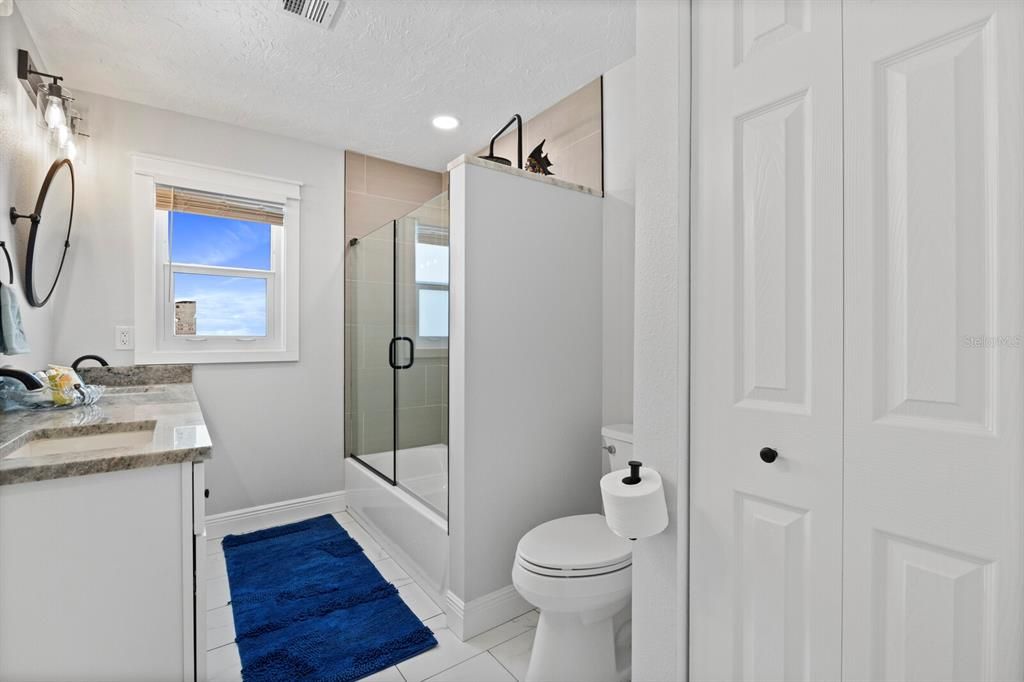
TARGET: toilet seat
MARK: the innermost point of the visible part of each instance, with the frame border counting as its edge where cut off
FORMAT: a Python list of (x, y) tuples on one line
[(574, 547)]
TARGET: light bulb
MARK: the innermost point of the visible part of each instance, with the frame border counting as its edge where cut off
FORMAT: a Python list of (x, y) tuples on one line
[(62, 134), (446, 122), (70, 149), (55, 112)]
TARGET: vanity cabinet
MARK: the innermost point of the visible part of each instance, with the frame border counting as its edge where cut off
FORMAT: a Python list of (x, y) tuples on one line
[(102, 576)]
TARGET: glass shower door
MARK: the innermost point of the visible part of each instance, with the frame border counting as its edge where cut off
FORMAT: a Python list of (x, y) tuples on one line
[(421, 332), (370, 414), (396, 340)]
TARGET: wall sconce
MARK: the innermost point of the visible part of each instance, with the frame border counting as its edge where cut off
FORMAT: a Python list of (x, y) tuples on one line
[(52, 105)]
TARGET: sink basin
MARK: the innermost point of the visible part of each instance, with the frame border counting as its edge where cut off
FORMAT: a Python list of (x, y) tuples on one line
[(107, 436), (129, 390)]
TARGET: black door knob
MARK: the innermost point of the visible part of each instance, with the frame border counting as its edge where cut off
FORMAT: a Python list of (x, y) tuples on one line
[(769, 455)]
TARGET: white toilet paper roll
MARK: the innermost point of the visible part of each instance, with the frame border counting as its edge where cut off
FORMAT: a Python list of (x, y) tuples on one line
[(637, 510)]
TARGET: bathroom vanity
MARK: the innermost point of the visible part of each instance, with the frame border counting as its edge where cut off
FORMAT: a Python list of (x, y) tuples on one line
[(101, 533)]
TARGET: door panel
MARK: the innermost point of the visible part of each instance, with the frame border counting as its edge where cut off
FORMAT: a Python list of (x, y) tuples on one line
[(766, 339), (933, 408)]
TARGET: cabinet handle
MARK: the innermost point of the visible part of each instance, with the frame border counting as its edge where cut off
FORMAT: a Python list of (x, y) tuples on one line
[(769, 455)]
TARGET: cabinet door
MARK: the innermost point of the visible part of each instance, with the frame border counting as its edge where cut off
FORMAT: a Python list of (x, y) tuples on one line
[(933, 408), (766, 339)]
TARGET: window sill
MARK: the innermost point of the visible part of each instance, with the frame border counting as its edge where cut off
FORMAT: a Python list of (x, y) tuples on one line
[(209, 357)]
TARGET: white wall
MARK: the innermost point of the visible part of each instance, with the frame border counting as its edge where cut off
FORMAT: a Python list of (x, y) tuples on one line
[(25, 156), (661, 337), (276, 427), (525, 361), (619, 232)]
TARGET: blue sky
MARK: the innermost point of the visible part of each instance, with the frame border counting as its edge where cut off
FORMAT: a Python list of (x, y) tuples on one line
[(206, 240), (229, 306)]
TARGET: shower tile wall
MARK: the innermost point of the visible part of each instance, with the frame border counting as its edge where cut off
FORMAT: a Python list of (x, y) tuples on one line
[(377, 191)]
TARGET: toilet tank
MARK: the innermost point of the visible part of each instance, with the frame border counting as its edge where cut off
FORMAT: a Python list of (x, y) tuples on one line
[(617, 446)]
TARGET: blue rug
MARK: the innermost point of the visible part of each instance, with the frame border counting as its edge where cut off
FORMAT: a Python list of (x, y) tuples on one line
[(309, 605)]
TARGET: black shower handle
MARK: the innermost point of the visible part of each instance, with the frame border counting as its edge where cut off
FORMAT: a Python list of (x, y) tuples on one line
[(391, 352)]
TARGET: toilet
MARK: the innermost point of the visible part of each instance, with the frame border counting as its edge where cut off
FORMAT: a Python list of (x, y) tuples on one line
[(579, 574)]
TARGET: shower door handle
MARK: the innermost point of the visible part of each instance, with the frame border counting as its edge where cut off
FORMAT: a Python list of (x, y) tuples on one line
[(391, 352)]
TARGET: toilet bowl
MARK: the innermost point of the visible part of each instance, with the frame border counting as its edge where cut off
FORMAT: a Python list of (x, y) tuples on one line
[(579, 574)]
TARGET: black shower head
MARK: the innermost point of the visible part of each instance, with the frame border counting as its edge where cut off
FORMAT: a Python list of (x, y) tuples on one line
[(496, 159), (490, 156)]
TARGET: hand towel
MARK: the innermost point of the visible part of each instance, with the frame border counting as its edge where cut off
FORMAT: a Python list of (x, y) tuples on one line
[(12, 333)]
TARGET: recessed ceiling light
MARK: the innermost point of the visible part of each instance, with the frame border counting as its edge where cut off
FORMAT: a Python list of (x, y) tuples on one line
[(446, 122)]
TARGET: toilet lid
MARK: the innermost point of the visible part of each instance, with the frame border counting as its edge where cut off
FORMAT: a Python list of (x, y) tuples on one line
[(575, 543)]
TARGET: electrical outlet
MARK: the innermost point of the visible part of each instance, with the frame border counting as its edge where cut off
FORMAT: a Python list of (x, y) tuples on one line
[(124, 338)]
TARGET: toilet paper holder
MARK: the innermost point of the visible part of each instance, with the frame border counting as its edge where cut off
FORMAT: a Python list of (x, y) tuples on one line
[(634, 473), (634, 505)]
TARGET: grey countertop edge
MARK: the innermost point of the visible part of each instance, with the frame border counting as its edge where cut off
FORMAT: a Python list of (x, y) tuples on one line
[(126, 462)]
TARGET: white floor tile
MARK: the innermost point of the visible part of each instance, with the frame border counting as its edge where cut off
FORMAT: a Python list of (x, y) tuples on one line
[(448, 652), (224, 665), (509, 644), (392, 572), (220, 627), (344, 518), (505, 631), (438, 622), (387, 675), (216, 566), (217, 592), (481, 668), (515, 653), (418, 601), (371, 549)]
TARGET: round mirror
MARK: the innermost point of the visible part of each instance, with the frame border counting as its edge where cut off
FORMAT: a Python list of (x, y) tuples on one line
[(50, 237)]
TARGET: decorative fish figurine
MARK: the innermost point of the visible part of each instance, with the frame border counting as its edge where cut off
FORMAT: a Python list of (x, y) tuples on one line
[(538, 161)]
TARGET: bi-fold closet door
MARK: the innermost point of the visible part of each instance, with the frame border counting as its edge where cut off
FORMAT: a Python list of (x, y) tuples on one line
[(857, 460)]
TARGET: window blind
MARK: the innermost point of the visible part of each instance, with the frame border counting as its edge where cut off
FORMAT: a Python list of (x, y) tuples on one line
[(431, 234), (218, 205)]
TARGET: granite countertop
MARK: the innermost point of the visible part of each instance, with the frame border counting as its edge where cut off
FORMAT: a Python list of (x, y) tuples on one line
[(137, 399)]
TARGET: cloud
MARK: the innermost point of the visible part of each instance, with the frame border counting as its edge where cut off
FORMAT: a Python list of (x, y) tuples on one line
[(225, 306)]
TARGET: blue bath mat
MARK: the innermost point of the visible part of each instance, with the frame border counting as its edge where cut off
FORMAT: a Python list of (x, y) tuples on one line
[(309, 605)]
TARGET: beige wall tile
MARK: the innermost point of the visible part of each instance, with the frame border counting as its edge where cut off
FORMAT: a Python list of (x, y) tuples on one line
[(355, 172), (574, 118), (580, 163), (364, 213), (420, 426), (398, 181)]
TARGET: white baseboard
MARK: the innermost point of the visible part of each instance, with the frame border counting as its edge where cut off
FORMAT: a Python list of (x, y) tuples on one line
[(274, 514), (469, 619)]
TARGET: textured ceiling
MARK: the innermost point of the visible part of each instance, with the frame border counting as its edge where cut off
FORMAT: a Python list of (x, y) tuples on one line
[(372, 83)]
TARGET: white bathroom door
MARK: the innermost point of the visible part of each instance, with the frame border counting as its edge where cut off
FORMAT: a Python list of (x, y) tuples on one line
[(766, 341), (934, 94)]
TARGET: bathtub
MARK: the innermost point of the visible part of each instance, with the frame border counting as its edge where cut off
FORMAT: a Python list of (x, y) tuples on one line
[(409, 525)]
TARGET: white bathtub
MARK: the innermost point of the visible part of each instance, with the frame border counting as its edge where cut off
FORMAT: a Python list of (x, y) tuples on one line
[(412, 532)]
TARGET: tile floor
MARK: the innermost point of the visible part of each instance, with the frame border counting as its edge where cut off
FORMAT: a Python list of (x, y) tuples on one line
[(498, 655)]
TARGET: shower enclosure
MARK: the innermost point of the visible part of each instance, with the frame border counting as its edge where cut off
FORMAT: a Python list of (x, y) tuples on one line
[(396, 343)]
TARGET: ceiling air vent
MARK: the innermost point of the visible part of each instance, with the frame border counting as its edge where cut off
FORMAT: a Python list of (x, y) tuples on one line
[(320, 12)]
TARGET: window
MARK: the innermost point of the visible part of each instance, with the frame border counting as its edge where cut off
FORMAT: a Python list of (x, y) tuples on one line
[(222, 246), (432, 286)]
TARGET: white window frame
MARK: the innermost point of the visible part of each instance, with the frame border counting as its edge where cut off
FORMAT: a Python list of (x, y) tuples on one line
[(155, 341), (429, 343)]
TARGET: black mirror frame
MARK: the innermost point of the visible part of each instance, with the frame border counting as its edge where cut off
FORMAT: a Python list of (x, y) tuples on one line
[(35, 217)]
